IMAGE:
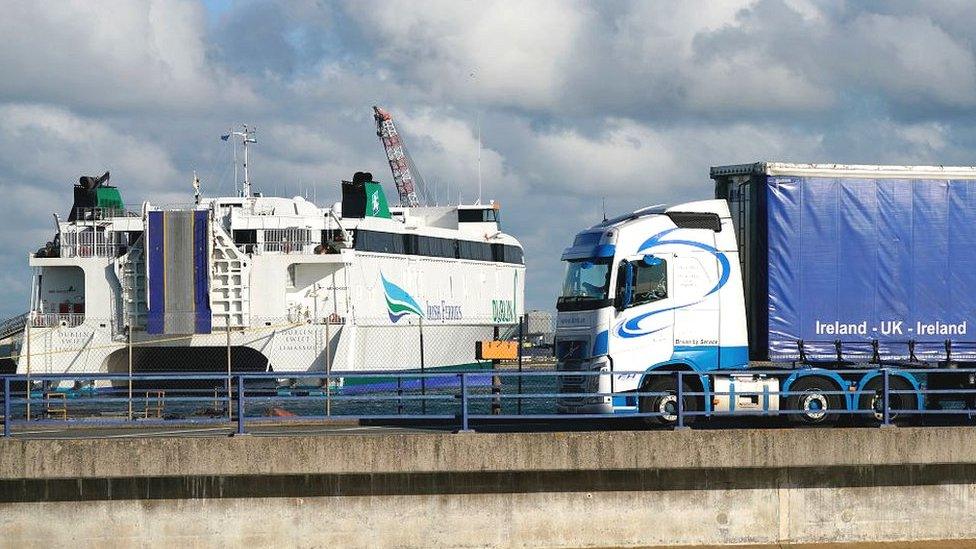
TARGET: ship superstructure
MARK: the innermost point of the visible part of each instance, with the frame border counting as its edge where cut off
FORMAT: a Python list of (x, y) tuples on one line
[(283, 283)]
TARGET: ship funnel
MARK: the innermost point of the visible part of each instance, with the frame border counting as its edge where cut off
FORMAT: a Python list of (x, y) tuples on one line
[(90, 182)]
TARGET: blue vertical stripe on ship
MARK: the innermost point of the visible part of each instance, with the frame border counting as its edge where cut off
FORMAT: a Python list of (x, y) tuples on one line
[(201, 268), (155, 321)]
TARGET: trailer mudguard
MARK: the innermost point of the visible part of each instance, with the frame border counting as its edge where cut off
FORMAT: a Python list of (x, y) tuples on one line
[(910, 378), (784, 389)]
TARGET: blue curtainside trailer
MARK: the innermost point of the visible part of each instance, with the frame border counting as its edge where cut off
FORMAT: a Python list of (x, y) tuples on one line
[(856, 263)]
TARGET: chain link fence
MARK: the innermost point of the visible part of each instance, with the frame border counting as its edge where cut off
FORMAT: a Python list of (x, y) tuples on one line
[(137, 375)]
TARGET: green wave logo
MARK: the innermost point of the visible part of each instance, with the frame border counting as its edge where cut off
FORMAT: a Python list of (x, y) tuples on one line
[(398, 302)]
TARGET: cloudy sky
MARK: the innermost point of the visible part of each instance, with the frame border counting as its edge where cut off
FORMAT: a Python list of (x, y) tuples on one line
[(631, 101)]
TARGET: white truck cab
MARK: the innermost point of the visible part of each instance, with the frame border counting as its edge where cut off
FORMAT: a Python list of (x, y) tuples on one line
[(657, 289)]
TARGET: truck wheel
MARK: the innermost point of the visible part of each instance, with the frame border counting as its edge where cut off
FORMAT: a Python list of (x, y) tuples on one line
[(667, 405), (872, 399), (808, 395)]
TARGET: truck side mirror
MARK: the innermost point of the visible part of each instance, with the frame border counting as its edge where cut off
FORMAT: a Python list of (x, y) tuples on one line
[(651, 261), (625, 285)]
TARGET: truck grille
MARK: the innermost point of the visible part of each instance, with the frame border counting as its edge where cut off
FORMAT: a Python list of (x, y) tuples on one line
[(578, 384), (572, 349)]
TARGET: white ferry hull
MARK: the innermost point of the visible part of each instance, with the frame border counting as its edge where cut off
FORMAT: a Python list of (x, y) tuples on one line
[(292, 297)]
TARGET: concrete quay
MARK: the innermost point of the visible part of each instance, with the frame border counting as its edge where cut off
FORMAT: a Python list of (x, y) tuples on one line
[(753, 487)]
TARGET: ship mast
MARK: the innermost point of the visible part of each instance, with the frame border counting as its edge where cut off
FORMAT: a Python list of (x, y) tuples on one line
[(246, 136)]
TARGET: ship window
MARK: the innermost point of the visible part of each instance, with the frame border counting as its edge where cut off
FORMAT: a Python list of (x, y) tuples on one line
[(396, 243), (464, 249), (477, 216), (441, 247), (376, 241), (381, 242), (449, 248), (245, 236), (504, 253), (514, 254), (411, 244), (478, 251), (425, 245), (429, 246)]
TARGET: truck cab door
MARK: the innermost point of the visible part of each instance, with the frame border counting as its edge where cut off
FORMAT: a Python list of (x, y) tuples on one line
[(696, 314), (643, 328)]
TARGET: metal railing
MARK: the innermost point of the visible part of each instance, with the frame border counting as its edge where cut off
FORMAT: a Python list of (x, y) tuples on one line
[(13, 325), (455, 399), (48, 320), (97, 214), (299, 247), (87, 242)]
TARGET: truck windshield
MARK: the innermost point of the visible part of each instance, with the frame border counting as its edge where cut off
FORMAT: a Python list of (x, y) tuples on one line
[(586, 285)]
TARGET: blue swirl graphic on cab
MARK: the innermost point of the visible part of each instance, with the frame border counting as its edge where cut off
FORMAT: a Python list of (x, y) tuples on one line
[(630, 328)]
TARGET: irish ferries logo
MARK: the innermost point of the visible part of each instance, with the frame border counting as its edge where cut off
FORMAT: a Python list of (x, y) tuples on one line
[(375, 204), (398, 302)]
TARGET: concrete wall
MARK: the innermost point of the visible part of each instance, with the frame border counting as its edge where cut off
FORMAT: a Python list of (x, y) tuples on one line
[(760, 487)]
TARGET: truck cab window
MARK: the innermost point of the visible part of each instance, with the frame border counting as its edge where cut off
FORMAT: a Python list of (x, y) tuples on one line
[(586, 285), (650, 282)]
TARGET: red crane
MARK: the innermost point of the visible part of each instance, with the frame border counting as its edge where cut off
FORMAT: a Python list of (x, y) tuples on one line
[(405, 175)]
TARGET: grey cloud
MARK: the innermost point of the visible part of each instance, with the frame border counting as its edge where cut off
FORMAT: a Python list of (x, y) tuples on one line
[(115, 57), (907, 60)]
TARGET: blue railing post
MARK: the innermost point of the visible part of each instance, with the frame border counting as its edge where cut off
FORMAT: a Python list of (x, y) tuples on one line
[(765, 399), (399, 395), (240, 404), (886, 415), (681, 404), (6, 406), (464, 402), (731, 397)]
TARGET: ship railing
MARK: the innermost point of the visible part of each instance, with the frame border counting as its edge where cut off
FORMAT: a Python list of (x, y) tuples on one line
[(178, 206), (98, 214), (467, 399), (13, 325), (87, 242), (297, 317), (307, 316), (84, 250), (50, 320), (279, 248)]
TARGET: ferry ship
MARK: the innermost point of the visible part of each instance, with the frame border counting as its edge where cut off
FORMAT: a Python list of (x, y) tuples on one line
[(284, 284)]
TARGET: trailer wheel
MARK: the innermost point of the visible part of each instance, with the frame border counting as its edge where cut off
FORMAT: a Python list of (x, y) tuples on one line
[(667, 405), (809, 396), (872, 399)]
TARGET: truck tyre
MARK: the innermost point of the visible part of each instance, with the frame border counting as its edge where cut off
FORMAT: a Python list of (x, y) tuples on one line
[(872, 399), (807, 395), (667, 405)]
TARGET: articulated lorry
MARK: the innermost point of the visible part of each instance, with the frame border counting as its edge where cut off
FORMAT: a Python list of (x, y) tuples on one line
[(802, 271)]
